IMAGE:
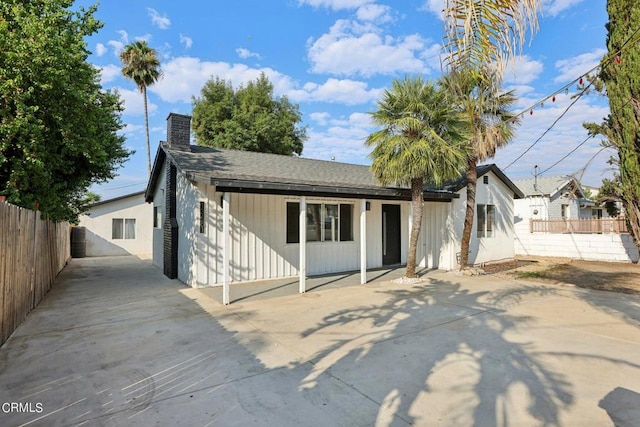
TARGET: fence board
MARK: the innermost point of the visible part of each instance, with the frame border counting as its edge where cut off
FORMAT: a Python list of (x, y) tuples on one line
[(32, 253), (586, 226)]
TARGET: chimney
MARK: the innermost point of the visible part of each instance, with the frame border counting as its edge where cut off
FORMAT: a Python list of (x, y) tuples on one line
[(178, 131)]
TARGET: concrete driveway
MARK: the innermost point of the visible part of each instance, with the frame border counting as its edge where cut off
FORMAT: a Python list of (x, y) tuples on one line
[(116, 343)]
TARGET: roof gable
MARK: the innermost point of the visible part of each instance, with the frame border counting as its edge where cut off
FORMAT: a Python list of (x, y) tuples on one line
[(548, 186)]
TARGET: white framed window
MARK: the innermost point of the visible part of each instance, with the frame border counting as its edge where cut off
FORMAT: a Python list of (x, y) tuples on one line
[(123, 228), (326, 222), (486, 218)]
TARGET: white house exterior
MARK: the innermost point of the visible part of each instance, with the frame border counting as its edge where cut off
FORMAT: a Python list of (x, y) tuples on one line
[(226, 216), (555, 197), (119, 226)]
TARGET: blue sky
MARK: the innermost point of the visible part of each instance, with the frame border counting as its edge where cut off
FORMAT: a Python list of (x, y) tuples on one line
[(334, 58)]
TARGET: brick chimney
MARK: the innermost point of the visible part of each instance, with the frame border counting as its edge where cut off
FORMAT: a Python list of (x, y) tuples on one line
[(178, 131)]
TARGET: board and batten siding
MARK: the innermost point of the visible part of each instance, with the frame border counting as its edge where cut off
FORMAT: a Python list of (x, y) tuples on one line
[(486, 249), (258, 248), (435, 246)]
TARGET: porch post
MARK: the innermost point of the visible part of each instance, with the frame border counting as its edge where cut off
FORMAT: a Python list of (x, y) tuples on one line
[(303, 245), (226, 249), (363, 241)]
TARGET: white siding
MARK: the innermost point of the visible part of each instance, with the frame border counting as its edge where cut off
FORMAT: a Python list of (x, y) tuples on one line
[(98, 222), (500, 245), (435, 247)]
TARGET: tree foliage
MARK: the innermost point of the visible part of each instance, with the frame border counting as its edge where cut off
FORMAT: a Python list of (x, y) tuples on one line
[(141, 64), (620, 75), (248, 119), (479, 33), (58, 128), (421, 141)]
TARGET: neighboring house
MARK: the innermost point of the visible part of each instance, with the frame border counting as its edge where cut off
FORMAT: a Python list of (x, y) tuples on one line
[(553, 198), (224, 216), (119, 226)]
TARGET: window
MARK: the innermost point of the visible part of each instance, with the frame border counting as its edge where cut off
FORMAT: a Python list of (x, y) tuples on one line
[(202, 218), (117, 228), (564, 211), (123, 228), (325, 222), (486, 219), (485, 179), (157, 217), (293, 222)]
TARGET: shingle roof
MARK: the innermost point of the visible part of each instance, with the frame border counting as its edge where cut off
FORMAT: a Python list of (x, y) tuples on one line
[(235, 170), (245, 165), (548, 185)]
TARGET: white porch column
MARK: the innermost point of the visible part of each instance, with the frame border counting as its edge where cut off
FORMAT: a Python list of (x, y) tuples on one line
[(303, 245), (363, 241), (226, 248)]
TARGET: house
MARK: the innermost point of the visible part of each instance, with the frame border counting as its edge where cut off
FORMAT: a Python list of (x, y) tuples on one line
[(223, 216), (119, 226), (555, 197)]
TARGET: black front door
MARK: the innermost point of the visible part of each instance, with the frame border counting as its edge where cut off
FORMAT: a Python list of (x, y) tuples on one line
[(390, 234)]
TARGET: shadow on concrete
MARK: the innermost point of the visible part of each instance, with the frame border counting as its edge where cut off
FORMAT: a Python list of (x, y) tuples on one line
[(463, 350), (622, 406)]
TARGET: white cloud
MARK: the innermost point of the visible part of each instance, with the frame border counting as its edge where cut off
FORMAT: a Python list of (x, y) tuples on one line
[(351, 48), (100, 49), (320, 118), (572, 68), (343, 139), (184, 77), (434, 6), (119, 44), (347, 92), (134, 102), (523, 70), (246, 53), (186, 41), (160, 21), (109, 73), (554, 7), (374, 13), (335, 4)]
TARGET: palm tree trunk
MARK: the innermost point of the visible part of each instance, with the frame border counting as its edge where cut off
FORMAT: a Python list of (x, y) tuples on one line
[(146, 127), (472, 179), (417, 189)]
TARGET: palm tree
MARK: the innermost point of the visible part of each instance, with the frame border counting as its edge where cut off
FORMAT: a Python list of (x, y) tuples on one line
[(420, 142), (490, 124), (141, 64), (483, 32)]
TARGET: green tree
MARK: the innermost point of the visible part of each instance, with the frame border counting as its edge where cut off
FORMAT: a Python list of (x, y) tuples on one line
[(248, 119), (420, 142), (141, 64), (620, 74), (58, 128), (490, 126), (479, 33)]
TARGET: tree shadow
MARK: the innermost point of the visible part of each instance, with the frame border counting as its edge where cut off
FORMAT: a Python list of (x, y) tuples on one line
[(465, 366)]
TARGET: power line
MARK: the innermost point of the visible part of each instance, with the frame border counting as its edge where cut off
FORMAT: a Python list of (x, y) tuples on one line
[(122, 186), (568, 154), (634, 37), (550, 127)]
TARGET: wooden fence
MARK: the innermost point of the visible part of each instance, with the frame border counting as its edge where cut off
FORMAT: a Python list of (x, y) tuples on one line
[(32, 253), (585, 226)]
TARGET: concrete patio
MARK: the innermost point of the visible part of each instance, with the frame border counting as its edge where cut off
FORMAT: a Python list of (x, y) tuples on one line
[(116, 343)]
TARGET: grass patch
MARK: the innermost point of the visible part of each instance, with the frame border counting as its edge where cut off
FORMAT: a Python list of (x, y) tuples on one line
[(530, 274)]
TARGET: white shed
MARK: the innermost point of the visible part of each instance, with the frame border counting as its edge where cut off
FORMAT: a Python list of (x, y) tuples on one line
[(119, 226)]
